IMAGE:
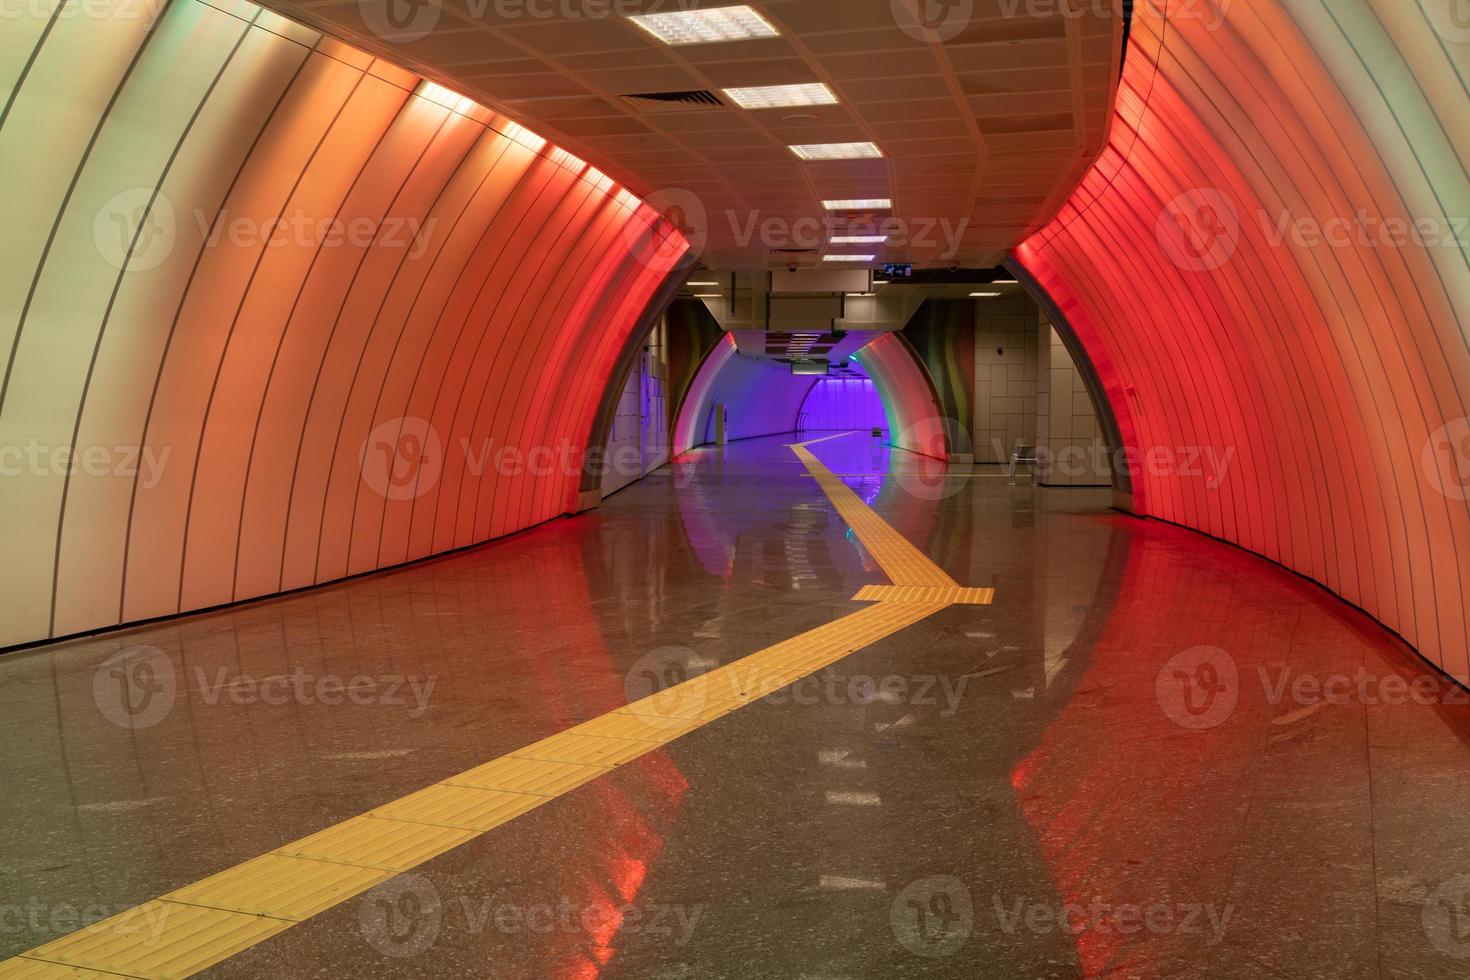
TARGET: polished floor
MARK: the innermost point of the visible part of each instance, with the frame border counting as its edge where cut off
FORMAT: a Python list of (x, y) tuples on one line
[(1150, 756)]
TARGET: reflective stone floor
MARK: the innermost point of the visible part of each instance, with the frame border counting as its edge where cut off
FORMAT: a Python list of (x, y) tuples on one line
[(1153, 756)]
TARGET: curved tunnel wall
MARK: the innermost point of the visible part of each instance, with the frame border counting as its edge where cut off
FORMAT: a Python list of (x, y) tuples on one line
[(277, 312), (763, 397), (693, 412), (692, 336), (915, 422), (942, 335), (1268, 270)]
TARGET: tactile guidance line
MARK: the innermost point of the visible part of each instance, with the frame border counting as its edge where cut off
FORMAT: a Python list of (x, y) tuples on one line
[(899, 559), (199, 925), (194, 927), (925, 593)]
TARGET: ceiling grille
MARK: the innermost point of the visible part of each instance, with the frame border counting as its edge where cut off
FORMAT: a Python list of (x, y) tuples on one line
[(673, 101)]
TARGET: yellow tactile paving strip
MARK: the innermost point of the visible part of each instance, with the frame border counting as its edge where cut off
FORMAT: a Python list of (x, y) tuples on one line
[(897, 556), (280, 887), (377, 842), (159, 939), (201, 924), (924, 593), (22, 969)]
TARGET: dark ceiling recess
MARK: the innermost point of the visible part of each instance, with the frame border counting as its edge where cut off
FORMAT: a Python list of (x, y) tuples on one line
[(1127, 27), (950, 277), (674, 101)]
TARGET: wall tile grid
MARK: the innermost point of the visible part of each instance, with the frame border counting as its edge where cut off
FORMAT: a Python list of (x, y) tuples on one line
[(1068, 436), (1006, 365)]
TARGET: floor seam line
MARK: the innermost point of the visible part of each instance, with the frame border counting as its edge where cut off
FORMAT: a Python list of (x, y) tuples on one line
[(75, 966), (220, 908)]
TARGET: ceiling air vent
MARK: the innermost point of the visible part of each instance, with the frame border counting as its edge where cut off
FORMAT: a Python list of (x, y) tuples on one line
[(673, 101)]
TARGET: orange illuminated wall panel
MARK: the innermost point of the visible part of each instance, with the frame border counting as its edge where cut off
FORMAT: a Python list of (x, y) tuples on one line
[(275, 312)]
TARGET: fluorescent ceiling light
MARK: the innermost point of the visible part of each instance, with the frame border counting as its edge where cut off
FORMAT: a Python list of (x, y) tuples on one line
[(781, 96), (707, 26), (848, 258), (837, 151), (1005, 282), (701, 284), (708, 296), (859, 204), (983, 295), (859, 240)]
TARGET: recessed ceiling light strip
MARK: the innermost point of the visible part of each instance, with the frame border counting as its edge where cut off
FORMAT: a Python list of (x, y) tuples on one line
[(837, 151), (781, 96), (707, 26), (859, 204)]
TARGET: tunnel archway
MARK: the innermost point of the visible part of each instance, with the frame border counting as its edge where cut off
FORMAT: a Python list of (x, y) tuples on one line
[(767, 399), (762, 396)]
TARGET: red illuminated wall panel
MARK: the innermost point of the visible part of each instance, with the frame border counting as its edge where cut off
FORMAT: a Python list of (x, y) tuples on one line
[(1268, 269)]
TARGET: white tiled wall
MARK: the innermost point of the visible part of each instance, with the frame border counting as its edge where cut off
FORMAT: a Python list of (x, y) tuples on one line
[(640, 426), (1006, 371), (1067, 430)]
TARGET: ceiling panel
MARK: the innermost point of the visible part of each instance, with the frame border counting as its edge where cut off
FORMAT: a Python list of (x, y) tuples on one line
[(989, 120)]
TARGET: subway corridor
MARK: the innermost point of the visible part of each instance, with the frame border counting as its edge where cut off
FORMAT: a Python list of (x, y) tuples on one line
[(682, 489), (1037, 787)]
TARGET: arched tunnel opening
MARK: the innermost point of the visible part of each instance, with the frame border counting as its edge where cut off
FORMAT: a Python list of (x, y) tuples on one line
[(737, 396)]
